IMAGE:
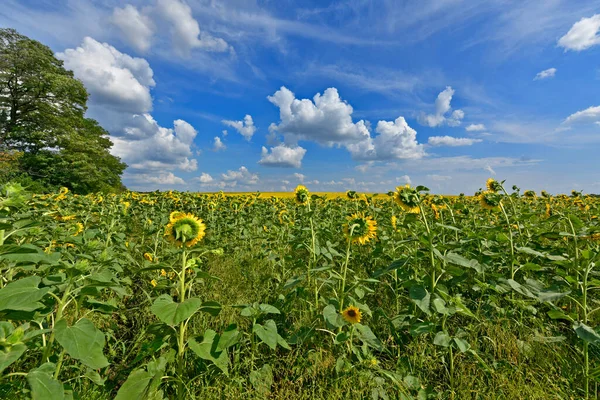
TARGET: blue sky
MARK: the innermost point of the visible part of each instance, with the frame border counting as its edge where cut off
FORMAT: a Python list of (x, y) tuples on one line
[(243, 95)]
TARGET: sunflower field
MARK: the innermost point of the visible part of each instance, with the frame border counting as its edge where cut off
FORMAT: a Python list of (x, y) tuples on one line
[(406, 295)]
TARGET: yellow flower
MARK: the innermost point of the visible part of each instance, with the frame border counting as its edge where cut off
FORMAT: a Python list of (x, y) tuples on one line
[(493, 185), (163, 272), (153, 282), (175, 215), (490, 200), (185, 229), (394, 220), (302, 195), (79, 229), (360, 229), (352, 314), (148, 256), (265, 228), (407, 198), (548, 210)]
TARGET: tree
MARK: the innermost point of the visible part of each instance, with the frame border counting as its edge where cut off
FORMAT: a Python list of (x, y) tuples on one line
[(42, 115)]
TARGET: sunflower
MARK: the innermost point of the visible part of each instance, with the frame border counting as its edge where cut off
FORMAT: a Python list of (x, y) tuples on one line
[(548, 210), (148, 256), (284, 218), (352, 195), (490, 200), (360, 229), (529, 194), (408, 198), (185, 229), (493, 185), (352, 314), (302, 195), (175, 215), (78, 228), (394, 220)]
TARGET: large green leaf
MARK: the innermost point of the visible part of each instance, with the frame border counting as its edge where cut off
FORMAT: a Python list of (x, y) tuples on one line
[(207, 350), (43, 385), (82, 341), (332, 317), (143, 384), (586, 333), (457, 259), (268, 334), (367, 336), (421, 297), (172, 313), (22, 295), (10, 355)]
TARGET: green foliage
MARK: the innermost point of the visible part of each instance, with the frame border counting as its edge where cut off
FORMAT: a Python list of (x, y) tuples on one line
[(457, 301), (42, 109)]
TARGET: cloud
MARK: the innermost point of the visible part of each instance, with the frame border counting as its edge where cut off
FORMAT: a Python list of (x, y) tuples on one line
[(299, 176), (241, 175), (218, 145), (396, 140), (591, 114), (185, 31), (136, 28), (167, 178), (475, 128), (113, 79), (442, 108), (327, 119), (119, 87), (404, 179), (451, 141), (246, 127), (582, 35), (490, 170), (282, 156), (439, 178), (547, 73), (205, 178)]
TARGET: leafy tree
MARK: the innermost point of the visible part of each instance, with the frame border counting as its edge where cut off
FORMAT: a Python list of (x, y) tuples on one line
[(42, 115)]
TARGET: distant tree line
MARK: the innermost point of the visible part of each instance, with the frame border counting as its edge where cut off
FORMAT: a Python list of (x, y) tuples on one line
[(45, 139)]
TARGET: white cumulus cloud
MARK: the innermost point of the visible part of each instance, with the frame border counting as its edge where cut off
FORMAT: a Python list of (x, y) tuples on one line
[(475, 128), (245, 127), (326, 119), (184, 29), (119, 86), (582, 35), (442, 108), (242, 175), (545, 74), (282, 156), (218, 144), (205, 178), (395, 140), (137, 28), (451, 141)]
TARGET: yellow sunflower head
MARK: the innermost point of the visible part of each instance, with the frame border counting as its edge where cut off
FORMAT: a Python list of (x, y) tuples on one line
[(548, 210), (408, 198), (352, 314), (175, 215), (360, 229), (352, 195), (148, 256), (78, 228), (187, 229), (284, 218), (394, 221), (490, 200), (302, 195), (529, 194), (493, 185)]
